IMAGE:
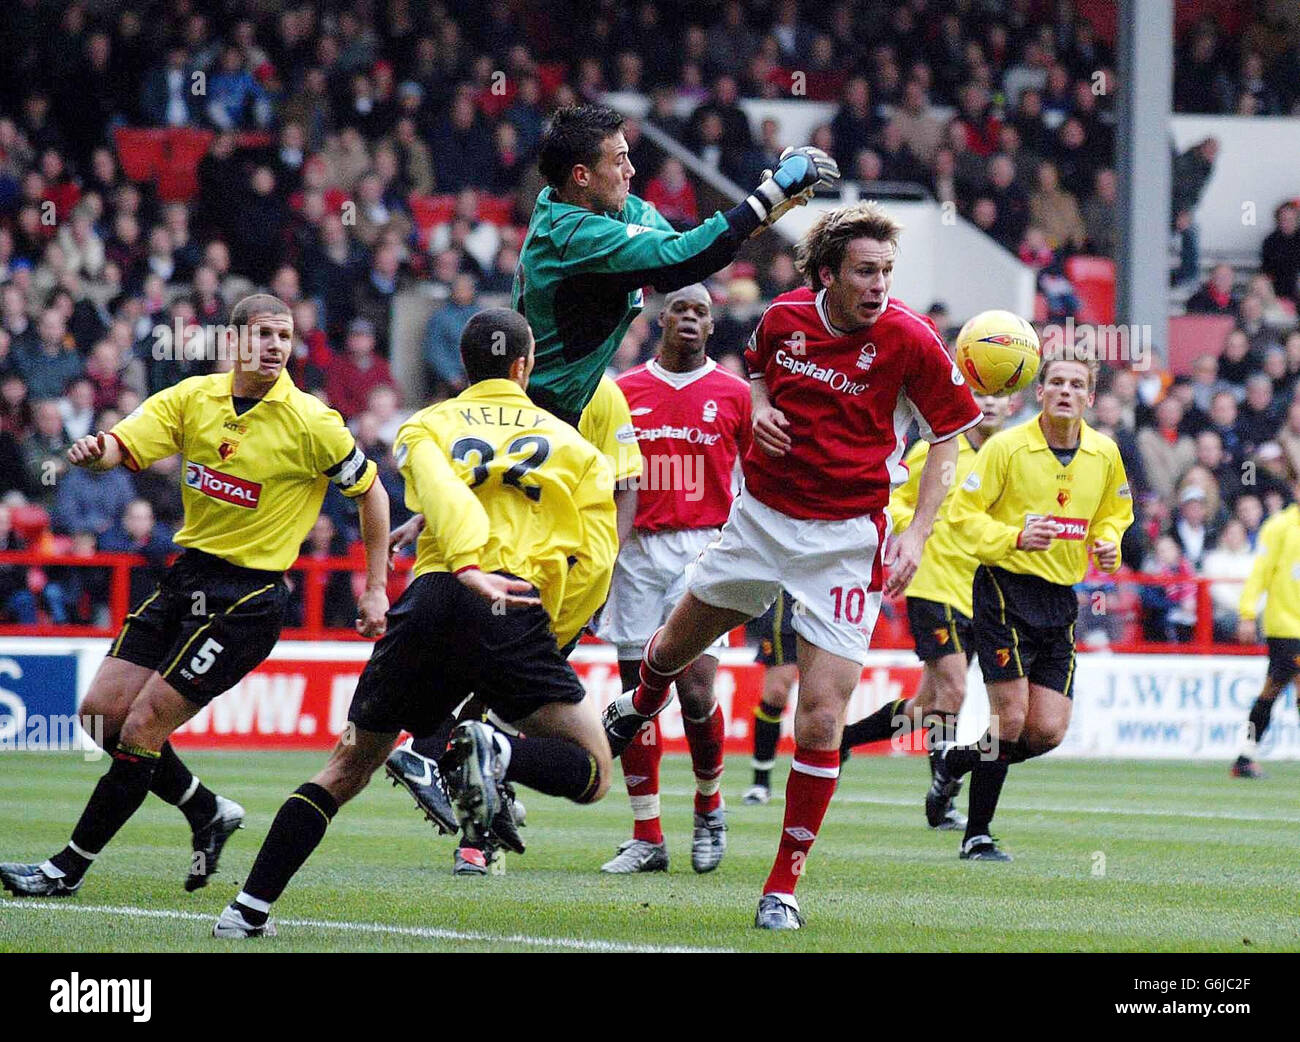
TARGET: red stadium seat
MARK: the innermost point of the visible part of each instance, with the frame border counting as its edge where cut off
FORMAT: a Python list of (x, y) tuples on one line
[(1093, 279), (31, 522), (428, 210), (496, 209), (1191, 336)]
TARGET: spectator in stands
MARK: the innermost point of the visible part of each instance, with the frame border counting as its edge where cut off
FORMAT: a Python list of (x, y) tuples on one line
[(730, 40), (1275, 369), (1238, 361), (918, 127), (1279, 256), (77, 407), (1206, 382), (1171, 607), (357, 371), (736, 138), (384, 405), (1278, 314), (46, 358), (1191, 532), (43, 452), (1200, 81), (1109, 419), (897, 159), (1231, 560), (88, 501), (1260, 416), (1250, 512), (1056, 211), (446, 373), (1011, 202), (372, 298), (1223, 420), (1262, 337), (525, 114), (159, 484), (461, 147), (1226, 475), (673, 195), (1166, 452), (1191, 171), (375, 215), (1289, 437), (414, 162), (855, 124), (235, 99), (1216, 296), (139, 533), (332, 268), (17, 602), (509, 162), (167, 97)]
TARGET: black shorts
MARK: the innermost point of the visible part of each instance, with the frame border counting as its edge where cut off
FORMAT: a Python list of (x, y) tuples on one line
[(444, 643), (773, 632), (207, 624), (939, 630), (1011, 645), (1283, 659)]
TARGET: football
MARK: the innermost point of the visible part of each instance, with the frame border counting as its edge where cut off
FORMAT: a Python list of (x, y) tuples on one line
[(998, 352)]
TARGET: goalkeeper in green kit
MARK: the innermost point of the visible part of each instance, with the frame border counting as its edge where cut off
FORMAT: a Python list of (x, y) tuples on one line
[(592, 246)]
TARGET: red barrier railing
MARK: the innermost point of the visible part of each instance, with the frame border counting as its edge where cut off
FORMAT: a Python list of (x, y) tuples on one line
[(1121, 612)]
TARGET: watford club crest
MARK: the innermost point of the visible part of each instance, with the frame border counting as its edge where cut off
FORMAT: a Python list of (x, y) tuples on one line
[(227, 448), (1003, 655), (1063, 497), (941, 636)]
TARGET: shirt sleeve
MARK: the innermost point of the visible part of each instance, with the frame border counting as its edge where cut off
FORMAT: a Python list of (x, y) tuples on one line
[(154, 430), (592, 566), (1115, 512), (756, 351), (606, 422), (938, 392), (632, 255), (902, 502), (980, 535), (338, 456), (453, 517), (1261, 574)]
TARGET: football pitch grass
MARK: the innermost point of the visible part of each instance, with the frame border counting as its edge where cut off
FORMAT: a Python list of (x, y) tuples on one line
[(1110, 856)]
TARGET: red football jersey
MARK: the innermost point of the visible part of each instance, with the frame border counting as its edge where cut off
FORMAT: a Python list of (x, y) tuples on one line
[(691, 428), (850, 398)]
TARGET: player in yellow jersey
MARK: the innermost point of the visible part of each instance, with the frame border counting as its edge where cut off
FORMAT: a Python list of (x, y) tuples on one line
[(1041, 497), (257, 456), (939, 615), (518, 513), (606, 422), (1274, 575)]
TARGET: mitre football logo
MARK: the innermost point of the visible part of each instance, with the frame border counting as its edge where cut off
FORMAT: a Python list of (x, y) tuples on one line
[(710, 411), (867, 355)]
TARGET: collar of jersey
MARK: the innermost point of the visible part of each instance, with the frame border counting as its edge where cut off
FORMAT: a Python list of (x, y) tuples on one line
[(679, 380), (278, 392), (497, 387), (1038, 441)]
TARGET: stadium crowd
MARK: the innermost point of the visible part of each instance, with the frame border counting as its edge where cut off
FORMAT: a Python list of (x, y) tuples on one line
[(361, 148)]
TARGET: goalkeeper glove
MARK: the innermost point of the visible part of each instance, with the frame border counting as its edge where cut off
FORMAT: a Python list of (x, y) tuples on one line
[(800, 171)]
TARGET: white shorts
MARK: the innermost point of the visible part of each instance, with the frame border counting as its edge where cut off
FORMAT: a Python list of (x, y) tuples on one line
[(832, 570), (649, 579)]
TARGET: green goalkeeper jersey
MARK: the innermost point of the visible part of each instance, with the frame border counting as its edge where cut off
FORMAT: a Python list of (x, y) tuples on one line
[(580, 284)]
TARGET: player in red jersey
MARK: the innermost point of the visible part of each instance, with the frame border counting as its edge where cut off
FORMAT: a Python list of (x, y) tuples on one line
[(692, 422), (838, 372)]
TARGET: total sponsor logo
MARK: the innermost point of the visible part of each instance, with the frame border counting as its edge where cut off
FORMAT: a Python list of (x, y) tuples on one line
[(1069, 527), (690, 435), (225, 487), (833, 378)]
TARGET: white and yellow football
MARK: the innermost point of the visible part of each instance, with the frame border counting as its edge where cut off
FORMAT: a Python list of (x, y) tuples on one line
[(998, 352)]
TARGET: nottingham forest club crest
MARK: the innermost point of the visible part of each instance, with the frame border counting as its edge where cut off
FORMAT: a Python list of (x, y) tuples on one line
[(710, 414), (867, 355)]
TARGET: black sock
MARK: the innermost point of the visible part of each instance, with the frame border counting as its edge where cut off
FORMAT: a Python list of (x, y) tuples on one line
[(961, 759), (297, 830), (553, 766), (878, 726), (172, 780), (985, 788), (432, 746), (1261, 715), (767, 733), (117, 796)]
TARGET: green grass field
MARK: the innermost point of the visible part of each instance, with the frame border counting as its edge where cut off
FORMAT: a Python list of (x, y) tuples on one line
[(1109, 857)]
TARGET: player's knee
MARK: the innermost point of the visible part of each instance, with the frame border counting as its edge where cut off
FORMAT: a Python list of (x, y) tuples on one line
[(697, 700), (816, 727), (949, 692), (1010, 722), (1043, 739), (144, 726)]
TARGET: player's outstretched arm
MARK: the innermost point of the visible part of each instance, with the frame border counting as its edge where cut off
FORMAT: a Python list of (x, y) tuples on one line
[(98, 452), (904, 555), (1114, 515), (372, 607), (403, 536), (792, 183), (981, 536), (771, 428)]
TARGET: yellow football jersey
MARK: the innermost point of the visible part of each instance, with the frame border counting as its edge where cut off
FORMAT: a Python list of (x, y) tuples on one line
[(946, 570), (606, 422), (1016, 477), (1276, 572), (252, 482), (507, 487)]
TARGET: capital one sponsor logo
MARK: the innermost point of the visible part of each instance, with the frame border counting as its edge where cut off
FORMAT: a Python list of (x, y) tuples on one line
[(691, 435), (225, 487), (1070, 527), (833, 378)]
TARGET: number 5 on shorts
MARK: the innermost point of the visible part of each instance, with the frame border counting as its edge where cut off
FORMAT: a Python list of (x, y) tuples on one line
[(205, 656)]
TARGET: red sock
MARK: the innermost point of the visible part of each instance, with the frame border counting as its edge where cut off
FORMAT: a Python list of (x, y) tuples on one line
[(641, 775), (651, 694), (704, 737), (807, 795)]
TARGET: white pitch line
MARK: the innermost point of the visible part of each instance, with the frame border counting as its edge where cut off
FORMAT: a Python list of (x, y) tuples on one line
[(431, 932), (1044, 808)]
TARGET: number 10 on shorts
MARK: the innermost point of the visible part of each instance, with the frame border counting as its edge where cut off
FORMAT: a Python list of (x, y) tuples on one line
[(849, 607)]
